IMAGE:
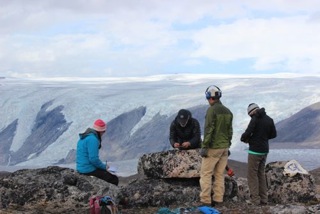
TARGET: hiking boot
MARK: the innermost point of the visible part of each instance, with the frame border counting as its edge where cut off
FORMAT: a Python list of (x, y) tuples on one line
[(216, 204)]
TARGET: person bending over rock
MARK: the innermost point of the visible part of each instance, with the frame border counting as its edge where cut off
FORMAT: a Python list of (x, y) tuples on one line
[(185, 131)]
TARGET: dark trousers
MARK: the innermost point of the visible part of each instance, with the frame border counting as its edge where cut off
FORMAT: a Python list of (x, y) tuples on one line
[(104, 175), (257, 179)]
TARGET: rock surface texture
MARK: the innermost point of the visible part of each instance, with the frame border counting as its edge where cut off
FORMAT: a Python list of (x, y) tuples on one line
[(165, 179)]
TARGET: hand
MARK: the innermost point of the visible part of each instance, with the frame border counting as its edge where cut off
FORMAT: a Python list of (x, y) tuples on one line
[(244, 139), (176, 145), (186, 145), (230, 172), (204, 152)]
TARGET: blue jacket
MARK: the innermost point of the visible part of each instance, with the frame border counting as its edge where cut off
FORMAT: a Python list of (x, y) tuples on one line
[(88, 152)]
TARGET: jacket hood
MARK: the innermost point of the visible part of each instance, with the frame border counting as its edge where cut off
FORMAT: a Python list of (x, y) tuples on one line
[(88, 132), (261, 112)]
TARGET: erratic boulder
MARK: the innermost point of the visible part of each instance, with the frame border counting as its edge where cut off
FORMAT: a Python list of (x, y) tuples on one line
[(171, 164), (284, 189)]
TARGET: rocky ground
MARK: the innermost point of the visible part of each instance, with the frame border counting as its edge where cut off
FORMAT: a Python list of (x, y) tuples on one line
[(234, 207), (230, 207)]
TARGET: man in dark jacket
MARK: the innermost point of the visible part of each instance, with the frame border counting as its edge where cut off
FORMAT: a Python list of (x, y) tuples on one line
[(261, 128), (185, 131)]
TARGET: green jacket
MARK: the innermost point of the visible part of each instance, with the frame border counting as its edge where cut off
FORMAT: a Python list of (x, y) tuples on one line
[(218, 127)]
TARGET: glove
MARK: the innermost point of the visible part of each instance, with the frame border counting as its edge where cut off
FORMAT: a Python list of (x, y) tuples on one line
[(204, 152), (244, 138), (230, 172)]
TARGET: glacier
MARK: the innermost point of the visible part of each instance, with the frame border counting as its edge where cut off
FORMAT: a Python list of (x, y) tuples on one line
[(82, 100)]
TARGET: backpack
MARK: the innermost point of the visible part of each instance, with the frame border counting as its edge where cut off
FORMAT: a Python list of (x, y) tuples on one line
[(102, 205)]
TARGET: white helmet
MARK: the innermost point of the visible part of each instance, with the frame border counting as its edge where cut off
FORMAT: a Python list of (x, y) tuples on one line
[(213, 92)]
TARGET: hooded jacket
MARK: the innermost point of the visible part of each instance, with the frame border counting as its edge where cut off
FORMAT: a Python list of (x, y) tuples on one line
[(261, 128), (190, 133), (88, 146)]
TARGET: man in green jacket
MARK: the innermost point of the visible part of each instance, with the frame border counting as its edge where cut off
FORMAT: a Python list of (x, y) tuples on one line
[(214, 149)]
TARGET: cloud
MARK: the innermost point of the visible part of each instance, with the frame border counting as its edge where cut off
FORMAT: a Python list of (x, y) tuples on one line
[(277, 42), (137, 38)]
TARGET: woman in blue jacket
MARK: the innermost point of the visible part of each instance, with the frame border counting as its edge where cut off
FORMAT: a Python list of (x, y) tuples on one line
[(88, 161)]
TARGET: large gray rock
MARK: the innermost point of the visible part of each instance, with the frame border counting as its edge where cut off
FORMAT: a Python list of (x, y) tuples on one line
[(165, 192), (284, 189), (171, 164), (61, 188)]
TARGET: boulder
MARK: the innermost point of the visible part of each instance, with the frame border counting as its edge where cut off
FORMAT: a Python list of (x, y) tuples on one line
[(171, 164), (55, 186), (170, 191), (284, 189)]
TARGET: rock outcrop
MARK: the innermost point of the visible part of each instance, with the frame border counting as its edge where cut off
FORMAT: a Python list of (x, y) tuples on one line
[(168, 178), (51, 188)]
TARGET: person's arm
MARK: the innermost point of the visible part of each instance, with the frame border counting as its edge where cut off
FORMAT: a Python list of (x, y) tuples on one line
[(273, 131), (195, 141), (173, 135), (208, 128), (249, 131), (93, 151), (230, 131)]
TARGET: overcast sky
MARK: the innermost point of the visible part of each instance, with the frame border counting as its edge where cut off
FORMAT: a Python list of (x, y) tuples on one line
[(116, 38)]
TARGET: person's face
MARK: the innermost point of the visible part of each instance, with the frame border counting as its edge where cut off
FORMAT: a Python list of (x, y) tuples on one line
[(210, 100), (184, 122), (101, 133)]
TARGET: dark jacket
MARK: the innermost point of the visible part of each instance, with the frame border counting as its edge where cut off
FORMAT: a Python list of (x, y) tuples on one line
[(191, 132), (260, 129)]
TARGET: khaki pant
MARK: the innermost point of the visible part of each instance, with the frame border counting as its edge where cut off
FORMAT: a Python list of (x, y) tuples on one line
[(257, 179), (213, 165)]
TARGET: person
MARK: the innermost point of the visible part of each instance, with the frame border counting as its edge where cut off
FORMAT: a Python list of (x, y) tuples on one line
[(185, 131), (87, 159), (261, 128), (214, 148)]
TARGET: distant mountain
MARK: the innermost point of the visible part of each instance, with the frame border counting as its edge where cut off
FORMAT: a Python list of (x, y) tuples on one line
[(302, 127)]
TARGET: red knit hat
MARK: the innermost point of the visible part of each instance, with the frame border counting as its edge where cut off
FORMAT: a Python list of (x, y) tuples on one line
[(99, 125)]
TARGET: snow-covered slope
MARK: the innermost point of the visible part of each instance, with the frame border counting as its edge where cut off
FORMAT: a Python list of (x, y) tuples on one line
[(71, 105)]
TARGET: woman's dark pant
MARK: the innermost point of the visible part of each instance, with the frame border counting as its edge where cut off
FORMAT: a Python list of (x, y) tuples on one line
[(104, 175)]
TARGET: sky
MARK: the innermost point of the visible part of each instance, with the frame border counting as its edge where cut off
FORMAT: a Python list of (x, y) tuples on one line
[(123, 38)]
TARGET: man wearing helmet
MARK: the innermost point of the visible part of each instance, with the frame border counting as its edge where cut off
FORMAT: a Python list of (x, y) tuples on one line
[(185, 131), (214, 148)]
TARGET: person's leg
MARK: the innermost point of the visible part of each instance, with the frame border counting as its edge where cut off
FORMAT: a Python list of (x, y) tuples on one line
[(253, 182), (206, 171), (105, 175), (218, 185), (263, 191)]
